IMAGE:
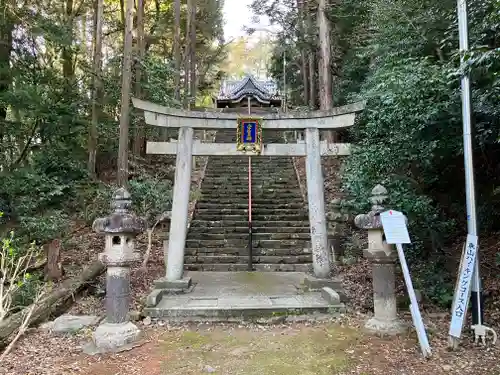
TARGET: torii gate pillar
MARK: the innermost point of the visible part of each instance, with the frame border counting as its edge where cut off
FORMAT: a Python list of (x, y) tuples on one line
[(180, 205), (316, 201)]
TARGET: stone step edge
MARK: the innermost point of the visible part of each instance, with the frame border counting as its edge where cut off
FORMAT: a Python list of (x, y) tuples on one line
[(259, 267), (243, 312)]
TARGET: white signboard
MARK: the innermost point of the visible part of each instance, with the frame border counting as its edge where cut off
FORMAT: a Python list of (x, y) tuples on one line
[(396, 232), (394, 224), (462, 295)]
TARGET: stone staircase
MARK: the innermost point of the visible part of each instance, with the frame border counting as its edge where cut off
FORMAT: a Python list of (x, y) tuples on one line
[(218, 236)]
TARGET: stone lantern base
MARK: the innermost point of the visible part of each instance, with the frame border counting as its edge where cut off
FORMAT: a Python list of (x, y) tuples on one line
[(385, 327), (113, 338)]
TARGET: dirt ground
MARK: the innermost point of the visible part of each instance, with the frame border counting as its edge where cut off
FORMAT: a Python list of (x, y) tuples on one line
[(328, 348), (333, 348)]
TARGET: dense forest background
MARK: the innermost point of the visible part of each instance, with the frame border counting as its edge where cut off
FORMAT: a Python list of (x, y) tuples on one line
[(64, 68), (68, 70), (402, 58)]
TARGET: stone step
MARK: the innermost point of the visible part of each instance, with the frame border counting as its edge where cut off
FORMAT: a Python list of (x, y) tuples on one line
[(255, 211), (235, 308), (234, 170), (244, 217), (230, 223), (238, 175), (260, 267), (238, 202), (234, 166), (267, 175), (266, 259), (244, 184), (268, 202), (244, 229), (244, 205), (258, 195), (255, 165), (255, 162), (267, 244), (243, 189), (243, 251), (243, 179), (207, 188), (244, 237), (238, 190)]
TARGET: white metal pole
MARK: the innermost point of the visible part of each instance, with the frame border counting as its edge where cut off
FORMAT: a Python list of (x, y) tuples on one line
[(476, 293)]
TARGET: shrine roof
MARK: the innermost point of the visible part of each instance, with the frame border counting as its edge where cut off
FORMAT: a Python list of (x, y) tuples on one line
[(236, 90)]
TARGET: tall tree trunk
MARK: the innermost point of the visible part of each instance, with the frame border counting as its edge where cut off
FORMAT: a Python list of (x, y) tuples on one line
[(97, 87), (324, 69), (139, 136), (192, 55), (325, 78), (67, 55), (303, 56), (6, 28), (187, 54), (311, 41), (122, 17), (177, 49), (83, 36), (311, 70), (122, 173)]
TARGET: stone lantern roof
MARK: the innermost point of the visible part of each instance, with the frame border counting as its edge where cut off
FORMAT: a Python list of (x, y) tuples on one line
[(121, 219)]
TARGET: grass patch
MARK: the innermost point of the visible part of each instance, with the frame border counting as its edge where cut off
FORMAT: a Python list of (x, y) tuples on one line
[(304, 351)]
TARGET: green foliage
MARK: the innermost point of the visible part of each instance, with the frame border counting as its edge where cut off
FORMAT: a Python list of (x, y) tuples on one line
[(399, 143), (93, 201), (401, 57), (410, 135), (46, 81), (438, 286), (20, 286), (151, 197)]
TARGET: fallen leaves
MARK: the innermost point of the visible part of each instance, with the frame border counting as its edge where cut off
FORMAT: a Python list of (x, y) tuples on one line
[(292, 348)]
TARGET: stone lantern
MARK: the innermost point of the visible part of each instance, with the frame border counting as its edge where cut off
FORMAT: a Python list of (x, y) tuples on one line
[(383, 257), (121, 228)]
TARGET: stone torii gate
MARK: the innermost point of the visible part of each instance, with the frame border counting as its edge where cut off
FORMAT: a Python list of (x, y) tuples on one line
[(185, 148)]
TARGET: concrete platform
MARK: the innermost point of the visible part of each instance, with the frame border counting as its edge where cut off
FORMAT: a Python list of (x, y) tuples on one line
[(244, 295)]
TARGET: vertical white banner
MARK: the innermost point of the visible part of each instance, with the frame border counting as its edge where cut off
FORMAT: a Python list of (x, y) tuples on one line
[(461, 297)]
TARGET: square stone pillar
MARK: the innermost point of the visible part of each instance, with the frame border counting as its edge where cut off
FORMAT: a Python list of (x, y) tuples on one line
[(383, 258)]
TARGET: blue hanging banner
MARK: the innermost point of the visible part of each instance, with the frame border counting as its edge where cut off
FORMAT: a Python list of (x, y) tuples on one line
[(249, 135)]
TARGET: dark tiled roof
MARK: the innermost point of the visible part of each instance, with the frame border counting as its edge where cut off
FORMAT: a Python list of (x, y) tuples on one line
[(236, 90)]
